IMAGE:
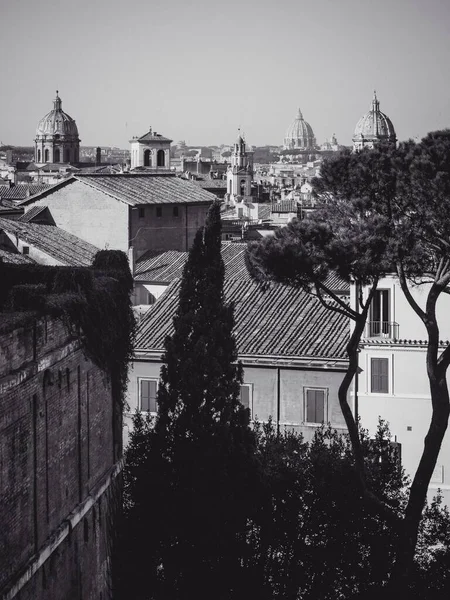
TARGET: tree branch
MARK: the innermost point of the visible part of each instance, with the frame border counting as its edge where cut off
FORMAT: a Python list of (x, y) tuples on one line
[(406, 291), (349, 311)]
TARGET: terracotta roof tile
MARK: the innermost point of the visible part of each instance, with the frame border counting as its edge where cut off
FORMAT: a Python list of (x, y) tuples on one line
[(61, 245), (15, 258), (279, 321), (20, 192), (167, 266), (29, 215), (284, 206), (149, 188)]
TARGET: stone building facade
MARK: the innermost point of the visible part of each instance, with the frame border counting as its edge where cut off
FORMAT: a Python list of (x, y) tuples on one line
[(151, 150)]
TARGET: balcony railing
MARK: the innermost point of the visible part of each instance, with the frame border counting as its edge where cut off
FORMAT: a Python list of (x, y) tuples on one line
[(382, 329)]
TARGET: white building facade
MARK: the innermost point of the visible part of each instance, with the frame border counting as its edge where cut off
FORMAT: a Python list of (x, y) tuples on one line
[(393, 382)]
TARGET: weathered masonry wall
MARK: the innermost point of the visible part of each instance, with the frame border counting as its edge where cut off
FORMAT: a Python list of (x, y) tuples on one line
[(161, 227), (56, 465)]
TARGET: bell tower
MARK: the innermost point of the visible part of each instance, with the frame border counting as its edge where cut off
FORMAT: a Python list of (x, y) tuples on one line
[(240, 173)]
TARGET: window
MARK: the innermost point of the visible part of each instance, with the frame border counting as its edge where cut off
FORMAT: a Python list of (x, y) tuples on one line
[(57, 155), (46, 155), (141, 212), (147, 158), (25, 249), (147, 395), (67, 155), (379, 314), (247, 395), (159, 211), (39, 156), (379, 375), (175, 211), (160, 158), (316, 406)]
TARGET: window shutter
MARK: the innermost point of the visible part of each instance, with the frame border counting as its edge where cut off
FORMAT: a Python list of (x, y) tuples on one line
[(145, 395), (384, 375), (311, 406), (315, 406), (375, 375), (320, 406), (148, 395), (380, 375), (152, 396), (245, 395)]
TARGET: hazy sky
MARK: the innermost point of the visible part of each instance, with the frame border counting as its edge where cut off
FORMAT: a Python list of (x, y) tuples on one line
[(198, 69)]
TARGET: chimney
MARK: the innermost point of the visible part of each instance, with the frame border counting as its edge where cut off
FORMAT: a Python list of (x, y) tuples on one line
[(98, 156)]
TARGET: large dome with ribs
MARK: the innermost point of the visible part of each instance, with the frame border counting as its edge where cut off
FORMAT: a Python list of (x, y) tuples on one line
[(57, 122)]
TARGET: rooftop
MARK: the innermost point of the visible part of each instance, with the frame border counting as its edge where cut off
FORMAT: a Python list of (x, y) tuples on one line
[(167, 266), (22, 191), (135, 189), (14, 258), (57, 243), (277, 321)]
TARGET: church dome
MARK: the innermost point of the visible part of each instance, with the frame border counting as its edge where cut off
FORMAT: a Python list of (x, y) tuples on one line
[(373, 127), (57, 122), (300, 134)]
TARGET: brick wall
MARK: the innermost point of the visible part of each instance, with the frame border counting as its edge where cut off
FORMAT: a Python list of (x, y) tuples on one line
[(56, 448), (168, 231)]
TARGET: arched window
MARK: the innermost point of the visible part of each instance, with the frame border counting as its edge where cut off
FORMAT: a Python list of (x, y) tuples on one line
[(230, 186), (147, 158), (57, 155), (67, 157), (39, 156), (46, 155), (242, 187), (161, 158)]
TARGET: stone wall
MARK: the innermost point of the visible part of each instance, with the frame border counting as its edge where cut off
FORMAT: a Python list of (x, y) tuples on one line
[(56, 464)]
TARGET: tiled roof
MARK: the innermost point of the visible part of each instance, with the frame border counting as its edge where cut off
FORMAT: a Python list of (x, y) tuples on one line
[(280, 321), (61, 245), (264, 211), (337, 284), (149, 188), (102, 168), (15, 258), (167, 266), (152, 137), (211, 184), (285, 206), (22, 191), (30, 214)]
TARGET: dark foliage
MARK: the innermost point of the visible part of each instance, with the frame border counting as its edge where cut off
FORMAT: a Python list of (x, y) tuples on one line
[(94, 303), (314, 536), (190, 479)]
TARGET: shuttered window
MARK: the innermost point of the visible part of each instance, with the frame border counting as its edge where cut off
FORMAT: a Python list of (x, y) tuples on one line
[(379, 375), (315, 406), (148, 390), (246, 395)]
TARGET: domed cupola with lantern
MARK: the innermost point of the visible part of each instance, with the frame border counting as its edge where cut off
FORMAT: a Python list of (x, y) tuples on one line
[(300, 135), (57, 139), (374, 127)]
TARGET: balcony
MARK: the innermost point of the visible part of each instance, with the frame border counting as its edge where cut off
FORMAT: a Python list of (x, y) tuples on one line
[(382, 329)]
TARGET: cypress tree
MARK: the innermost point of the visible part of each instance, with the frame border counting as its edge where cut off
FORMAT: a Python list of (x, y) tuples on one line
[(201, 461)]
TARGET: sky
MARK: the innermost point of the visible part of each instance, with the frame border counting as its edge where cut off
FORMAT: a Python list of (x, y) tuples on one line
[(198, 70)]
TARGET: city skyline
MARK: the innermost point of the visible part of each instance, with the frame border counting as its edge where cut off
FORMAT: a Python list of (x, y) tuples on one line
[(197, 72)]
